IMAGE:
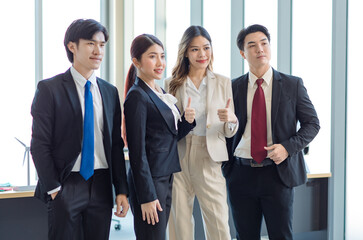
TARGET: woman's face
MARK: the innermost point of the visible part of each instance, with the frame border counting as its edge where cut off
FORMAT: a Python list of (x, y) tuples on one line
[(152, 63), (199, 53)]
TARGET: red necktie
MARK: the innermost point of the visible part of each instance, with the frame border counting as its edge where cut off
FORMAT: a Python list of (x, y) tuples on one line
[(258, 124)]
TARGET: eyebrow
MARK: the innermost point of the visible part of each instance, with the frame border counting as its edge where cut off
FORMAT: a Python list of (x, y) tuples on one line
[(155, 53), (263, 39), (96, 41), (207, 44)]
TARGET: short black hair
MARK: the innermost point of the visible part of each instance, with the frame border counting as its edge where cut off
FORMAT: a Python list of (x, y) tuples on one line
[(250, 29), (82, 29)]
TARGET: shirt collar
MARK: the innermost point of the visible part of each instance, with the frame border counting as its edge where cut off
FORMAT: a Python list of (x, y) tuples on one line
[(159, 92), (79, 79), (163, 96), (267, 77), (191, 84)]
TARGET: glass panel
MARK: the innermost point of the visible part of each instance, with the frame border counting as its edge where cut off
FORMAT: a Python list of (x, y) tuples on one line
[(263, 12), (219, 28), (55, 24), (311, 60), (177, 21), (17, 88), (144, 17), (354, 210)]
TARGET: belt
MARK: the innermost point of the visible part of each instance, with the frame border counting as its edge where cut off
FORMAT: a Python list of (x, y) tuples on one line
[(252, 163)]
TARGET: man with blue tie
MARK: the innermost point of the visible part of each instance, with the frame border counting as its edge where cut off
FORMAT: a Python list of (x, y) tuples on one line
[(265, 156), (76, 141)]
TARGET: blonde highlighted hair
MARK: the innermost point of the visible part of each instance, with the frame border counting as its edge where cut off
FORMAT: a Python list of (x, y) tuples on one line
[(181, 68)]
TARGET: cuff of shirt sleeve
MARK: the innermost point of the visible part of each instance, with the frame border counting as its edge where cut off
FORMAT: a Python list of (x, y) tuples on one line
[(54, 190), (231, 126)]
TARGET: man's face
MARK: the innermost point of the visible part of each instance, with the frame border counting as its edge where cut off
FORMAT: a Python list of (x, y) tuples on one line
[(88, 54), (257, 51)]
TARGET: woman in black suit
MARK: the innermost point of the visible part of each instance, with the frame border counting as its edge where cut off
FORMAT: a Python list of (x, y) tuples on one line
[(153, 127)]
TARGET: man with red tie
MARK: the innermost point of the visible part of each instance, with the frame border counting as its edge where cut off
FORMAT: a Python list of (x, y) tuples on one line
[(265, 155)]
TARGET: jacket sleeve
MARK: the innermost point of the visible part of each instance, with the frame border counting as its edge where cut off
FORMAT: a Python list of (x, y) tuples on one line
[(184, 127), (42, 111), (309, 122), (118, 158), (135, 111), (228, 131)]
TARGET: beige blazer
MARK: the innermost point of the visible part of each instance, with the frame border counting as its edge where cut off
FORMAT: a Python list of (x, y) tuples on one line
[(218, 91)]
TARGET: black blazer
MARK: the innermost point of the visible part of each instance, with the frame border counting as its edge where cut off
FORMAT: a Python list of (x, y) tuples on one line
[(151, 138), (290, 104), (58, 131)]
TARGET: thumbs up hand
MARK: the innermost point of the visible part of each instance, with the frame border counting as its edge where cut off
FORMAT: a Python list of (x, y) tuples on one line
[(226, 115), (189, 112)]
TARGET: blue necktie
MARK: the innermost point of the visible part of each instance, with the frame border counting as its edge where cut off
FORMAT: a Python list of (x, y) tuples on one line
[(87, 161)]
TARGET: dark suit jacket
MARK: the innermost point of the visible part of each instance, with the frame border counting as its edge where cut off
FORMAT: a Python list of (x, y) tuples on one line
[(290, 103), (58, 132), (152, 139)]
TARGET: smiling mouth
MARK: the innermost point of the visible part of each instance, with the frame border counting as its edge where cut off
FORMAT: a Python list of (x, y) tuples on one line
[(159, 71), (202, 61)]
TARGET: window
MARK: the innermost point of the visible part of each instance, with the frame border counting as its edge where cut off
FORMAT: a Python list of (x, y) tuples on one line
[(177, 21), (354, 208), (17, 88), (144, 17), (219, 28), (139, 17), (19, 63), (263, 12), (311, 60), (55, 24)]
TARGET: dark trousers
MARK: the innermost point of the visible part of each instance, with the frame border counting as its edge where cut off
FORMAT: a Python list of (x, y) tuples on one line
[(82, 209), (257, 192), (143, 230)]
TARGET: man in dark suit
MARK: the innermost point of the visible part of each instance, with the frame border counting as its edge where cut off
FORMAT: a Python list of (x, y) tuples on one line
[(76, 141), (265, 157)]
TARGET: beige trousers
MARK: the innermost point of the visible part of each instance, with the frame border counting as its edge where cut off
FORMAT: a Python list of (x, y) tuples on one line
[(200, 177)]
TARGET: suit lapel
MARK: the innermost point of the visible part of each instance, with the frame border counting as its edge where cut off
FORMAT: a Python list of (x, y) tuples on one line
[(70, 88), (71, 91), (183, 101), (211, 84), (164, 110), (240, 101), (276, 93), (241, 95), (106, 105), (105, 100)]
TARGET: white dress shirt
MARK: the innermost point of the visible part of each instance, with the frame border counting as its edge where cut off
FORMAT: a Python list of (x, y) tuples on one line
[(99, 151), (100, 157), (199, 103), (243, 148)]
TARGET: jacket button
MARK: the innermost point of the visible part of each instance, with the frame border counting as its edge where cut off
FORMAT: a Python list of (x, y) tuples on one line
[(208, 126)]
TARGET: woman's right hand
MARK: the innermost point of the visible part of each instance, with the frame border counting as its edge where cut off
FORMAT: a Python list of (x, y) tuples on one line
[(189, 112), (149, 211)]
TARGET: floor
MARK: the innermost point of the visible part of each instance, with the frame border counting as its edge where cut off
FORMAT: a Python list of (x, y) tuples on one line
[(127, 228)]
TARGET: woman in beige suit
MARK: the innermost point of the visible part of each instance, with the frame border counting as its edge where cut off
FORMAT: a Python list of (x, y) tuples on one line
[(203, 150)]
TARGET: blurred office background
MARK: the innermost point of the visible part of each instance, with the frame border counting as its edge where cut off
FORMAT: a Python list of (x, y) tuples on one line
[(318, 40)]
